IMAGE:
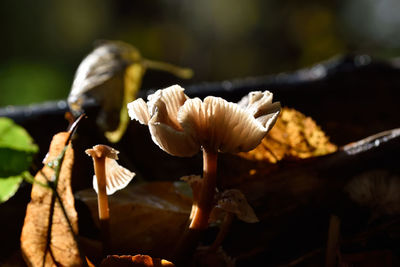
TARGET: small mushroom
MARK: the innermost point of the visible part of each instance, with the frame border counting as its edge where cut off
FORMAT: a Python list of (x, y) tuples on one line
[(182, 126), (109, 177)]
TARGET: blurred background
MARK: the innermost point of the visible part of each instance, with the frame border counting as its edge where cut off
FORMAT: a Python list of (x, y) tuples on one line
[(44, 41)]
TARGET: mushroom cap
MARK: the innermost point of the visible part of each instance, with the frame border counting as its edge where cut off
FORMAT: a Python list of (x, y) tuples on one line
[(117, 177), (181, 126), (100, 151)]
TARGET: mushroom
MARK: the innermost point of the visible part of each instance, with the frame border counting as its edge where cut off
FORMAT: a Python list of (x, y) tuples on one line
[(182, 126), (109, 177)]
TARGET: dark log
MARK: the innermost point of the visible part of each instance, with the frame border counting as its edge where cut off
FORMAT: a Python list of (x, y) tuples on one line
[(294, 201)]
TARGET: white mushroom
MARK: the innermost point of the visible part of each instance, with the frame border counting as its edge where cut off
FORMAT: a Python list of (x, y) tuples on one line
[(180, 126)]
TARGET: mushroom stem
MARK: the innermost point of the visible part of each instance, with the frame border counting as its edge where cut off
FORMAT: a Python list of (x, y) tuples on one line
[(102, 200), (201, 209), (205, 203)]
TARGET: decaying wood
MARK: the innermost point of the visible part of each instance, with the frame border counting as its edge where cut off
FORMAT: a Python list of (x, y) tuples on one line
[(294, 200)]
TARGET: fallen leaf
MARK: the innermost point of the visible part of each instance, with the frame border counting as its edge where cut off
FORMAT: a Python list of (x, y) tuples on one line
[(136, 261), (46, 238), (294, 136), (145, 218), (233, 201), (112, 74)]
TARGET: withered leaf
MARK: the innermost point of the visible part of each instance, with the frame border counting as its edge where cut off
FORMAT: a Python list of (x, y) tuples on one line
[(145, 218), (233, 201), (46, 238), (293, 136), (135, 261)]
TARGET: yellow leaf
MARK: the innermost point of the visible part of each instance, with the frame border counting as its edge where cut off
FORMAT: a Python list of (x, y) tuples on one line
[(294, 136), (112, 74)]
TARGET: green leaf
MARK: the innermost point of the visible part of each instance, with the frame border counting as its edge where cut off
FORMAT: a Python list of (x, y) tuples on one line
[(16, 153), (9, 186), (14, 162), (15, 137)]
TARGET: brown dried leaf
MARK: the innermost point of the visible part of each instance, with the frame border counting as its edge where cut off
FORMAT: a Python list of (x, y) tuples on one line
[(136, 261), (293, 136), (44, 211), (233, 201), (146, 218)]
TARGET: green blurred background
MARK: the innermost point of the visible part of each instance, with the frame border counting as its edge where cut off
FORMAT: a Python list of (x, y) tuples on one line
[(44, 41)]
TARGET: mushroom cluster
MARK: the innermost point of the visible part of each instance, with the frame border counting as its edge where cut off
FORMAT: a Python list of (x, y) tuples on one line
[(181, 126)]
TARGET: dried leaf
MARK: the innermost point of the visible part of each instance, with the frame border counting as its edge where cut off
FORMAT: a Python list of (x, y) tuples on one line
[(112, 74), (136, 261), (233, 201), (293, 136), (44, 215), (146, 218)]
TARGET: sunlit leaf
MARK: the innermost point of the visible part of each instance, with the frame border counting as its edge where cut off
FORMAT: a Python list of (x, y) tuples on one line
[(47, 238), (16, 152), (294, 136), (8, 187), (15, 137), (112, 74)]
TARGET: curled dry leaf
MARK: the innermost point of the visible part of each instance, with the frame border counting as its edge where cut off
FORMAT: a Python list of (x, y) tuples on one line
[(233, 201), (293, 136), (112, 74), (146, 218), (136, 261), (44, 215)]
